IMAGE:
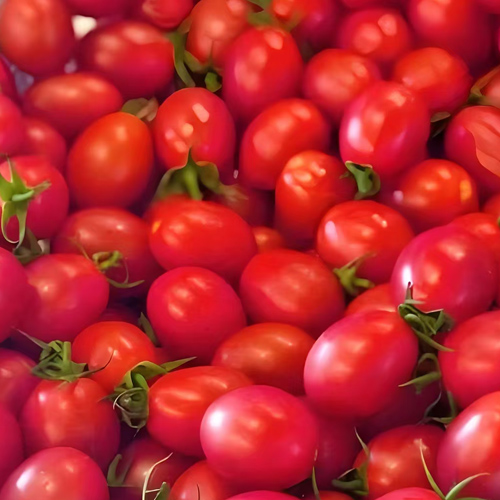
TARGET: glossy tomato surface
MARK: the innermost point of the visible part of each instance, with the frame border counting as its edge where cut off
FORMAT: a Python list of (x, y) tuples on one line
[(268, 239), (11, 452), (11, 127), (411, 494), (165, 14), (378, 298)]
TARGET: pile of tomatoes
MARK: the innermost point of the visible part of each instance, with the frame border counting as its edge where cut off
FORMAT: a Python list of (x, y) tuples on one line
[(249, 249)]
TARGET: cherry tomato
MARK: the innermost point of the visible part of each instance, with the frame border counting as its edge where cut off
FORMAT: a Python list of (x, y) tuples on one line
[(166, 14), (195, 121), (71, 102), (378, 298), (192, 311), (276, 451), (11, 127), (11, 452), (7, 82), (285, 286), (187, 232), (116, 151), (54, 474), (278, 133), (440, 77), (411, 494), (268, 239), (134, 56), (262, 66), (67, 294), (450, 270), (308, 186), (350, 353), (178, 401), (36, 35), (97, 8), (386, 127), (434, 192)]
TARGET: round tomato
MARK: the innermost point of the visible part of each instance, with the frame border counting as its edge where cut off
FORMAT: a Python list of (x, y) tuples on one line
[(268, 239), (11, 452), (378, 298), (166, 14), (11, 127), (97, 8)]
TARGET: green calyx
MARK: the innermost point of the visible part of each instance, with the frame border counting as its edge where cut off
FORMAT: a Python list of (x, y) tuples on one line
[(349, 280), (366, 178), (30, 249), (144, 109), (423, 375), (476, 96)]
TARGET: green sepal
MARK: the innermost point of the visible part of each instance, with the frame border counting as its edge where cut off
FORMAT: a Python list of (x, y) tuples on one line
[(350, 281), (30, 249), (178, 40), (476, 96), (366, 178), (145, 325), (144, 109), (114, 479), (163, 492), (213, 82), (453, 411), (109, 260), (315, 488), (422, 380)]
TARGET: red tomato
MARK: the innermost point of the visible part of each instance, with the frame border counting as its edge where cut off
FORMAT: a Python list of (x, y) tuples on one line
[(279, 447), (187, 232), (262, 495), (192, 311), (54, 474), (166, 14), (178, 401), (474, 433), (98, 8), (335, 77), (134, 56), (328, 495), (440, 77), (307, 187), (110, 230), (67, 294), (11, 127), (285, 286), (378, 298), (71, 102), (73, 414), (116, 151), (434, 192), (386, 127), (364, 230), (350, 353), (490, 6), (268, 239), (473, 139), (7, 82), (11, 452), (450, 270), (262, 66), (411, 494), (269, 353), (198, 122), (36, 35), (278, 133), (492, 206)]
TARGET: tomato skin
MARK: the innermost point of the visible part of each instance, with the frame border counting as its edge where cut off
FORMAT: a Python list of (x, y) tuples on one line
[(386, 127), (450, 270), (197, 121), (7, 81), (440, 77), (96, 8), (338, 370), (268, 353), (36, 35), (280, 446), (45, 479), (133, 55), (268, 239), (475, 430), (308, 186), (411, 494), (285, 286), (186, 232), (262, 66), (116, 151), (11, 453), (67, 294), (178, 401), (355, 229), (378, 298), (11, 127), (262, 495), (72, 414), (278, 133), (71, 102), (192, 311), (329, 495), (492, 206), (434, 192), (166, 14), (112, 229)]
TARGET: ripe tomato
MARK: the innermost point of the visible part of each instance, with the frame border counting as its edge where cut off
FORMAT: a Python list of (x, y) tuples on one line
[(187, 232), (440, 77), (97, 8), (450, 270), (434, 192), (328, 495), (262, 495), (269, 353), (7, 82), (178, 401), (67, 294), (262, 66), (285, 286), (386, 127), (308, 186), (411, 494), (197, 122), (334, 78), (116, 151), (11, 452), (278, 133), (378, 298), (134, 56), (36, 35), (71, 102), (268, 239), (279, 448), (492, 206), (345, 358), (11, 127), (72, 414), (166, 14), (54, 474), (192, 311)]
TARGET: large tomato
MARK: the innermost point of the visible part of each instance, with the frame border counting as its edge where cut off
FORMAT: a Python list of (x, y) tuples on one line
[(278, 133), (353, 351), (11, 127), (276, 451), (291, 287), (11, 451)]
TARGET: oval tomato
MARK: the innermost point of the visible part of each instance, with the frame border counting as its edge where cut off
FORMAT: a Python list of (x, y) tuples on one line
[(11, 453), (11, 127), (166, 14), (268, 239), (378, 298)]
